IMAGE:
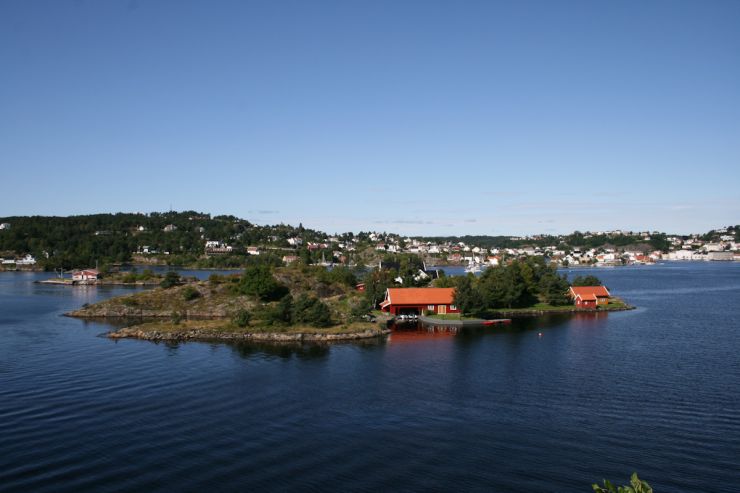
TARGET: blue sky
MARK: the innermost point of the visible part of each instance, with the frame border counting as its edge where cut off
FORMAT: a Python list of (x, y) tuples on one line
[(418, 117)]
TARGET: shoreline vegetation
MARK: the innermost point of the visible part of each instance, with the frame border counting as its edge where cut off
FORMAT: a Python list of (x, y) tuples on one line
[(279, 304)]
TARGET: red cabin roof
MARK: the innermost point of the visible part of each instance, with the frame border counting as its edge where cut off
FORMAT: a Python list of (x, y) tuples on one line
[(420, 296), (589, 292)]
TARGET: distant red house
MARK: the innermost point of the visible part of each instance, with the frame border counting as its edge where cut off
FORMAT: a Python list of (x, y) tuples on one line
[(401, 301), (589, 296), (85, 275), (360, 287)]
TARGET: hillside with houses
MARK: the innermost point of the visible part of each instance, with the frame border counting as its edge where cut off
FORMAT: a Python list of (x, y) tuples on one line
[(199, 240)]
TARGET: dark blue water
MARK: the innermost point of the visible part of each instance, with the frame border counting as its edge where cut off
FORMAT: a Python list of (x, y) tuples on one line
[(655, 390)]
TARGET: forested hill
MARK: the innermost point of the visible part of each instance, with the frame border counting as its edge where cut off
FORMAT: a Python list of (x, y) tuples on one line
[(80, 241)]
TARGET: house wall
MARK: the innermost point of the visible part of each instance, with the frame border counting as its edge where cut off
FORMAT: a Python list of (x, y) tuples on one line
[(585, 303), (397, 309)]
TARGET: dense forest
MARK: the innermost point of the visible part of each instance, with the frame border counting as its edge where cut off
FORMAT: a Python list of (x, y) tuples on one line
[(84, 241)]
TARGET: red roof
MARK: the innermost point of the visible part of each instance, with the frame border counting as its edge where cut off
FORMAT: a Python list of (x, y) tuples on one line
[(589, 292), (420, 296)]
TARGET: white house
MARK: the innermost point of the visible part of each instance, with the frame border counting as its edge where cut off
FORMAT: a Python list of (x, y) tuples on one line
[(4, 226), (680, 255), (27, 260)]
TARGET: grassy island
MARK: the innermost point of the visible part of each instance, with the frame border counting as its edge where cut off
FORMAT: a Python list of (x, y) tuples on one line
[(296, 303)]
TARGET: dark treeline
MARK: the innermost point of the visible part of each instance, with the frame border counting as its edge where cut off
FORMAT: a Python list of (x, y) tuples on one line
[(520, 284)]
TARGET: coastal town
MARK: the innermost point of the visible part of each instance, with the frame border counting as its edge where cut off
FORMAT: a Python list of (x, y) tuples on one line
[(198, 243)]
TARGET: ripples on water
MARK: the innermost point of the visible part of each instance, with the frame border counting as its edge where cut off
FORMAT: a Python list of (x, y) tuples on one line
[(654, 390)]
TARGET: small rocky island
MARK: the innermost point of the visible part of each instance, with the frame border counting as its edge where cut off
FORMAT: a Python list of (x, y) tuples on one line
[(296, 303)]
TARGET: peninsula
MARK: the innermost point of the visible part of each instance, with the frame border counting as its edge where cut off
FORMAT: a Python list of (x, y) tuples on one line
[(296, 303)]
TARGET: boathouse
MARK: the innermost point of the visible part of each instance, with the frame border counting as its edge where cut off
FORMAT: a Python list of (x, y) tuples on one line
[(417, 301), (589, 296), (85, 275)]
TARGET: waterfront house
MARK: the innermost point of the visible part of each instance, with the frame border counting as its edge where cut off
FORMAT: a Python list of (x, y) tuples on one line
[(217, 248), (589, 296), (416, 301), (85, 275), (27, 260)]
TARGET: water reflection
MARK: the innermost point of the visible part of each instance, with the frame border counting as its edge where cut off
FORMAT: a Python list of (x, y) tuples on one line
[(248, 350), (304, 351)]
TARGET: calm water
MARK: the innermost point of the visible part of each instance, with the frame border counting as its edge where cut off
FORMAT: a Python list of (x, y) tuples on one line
[(655, 390)]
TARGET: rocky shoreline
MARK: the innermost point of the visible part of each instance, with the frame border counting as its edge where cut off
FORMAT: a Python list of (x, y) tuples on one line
[(210, 334), (99, 282), (539, 313)]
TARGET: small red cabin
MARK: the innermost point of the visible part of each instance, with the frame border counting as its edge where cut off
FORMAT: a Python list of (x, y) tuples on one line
[(416, 301), (589, 296)]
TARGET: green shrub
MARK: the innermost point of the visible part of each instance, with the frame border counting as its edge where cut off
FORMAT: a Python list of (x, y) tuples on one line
[(311, 311), (282, 313), (586, 281), (171, 279), (635, 486), (258, 281), (129, 278), (241, 318), (130, 301), (190, 293)]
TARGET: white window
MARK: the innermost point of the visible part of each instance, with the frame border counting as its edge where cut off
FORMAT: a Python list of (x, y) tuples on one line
[(453, 307), (430, 307)]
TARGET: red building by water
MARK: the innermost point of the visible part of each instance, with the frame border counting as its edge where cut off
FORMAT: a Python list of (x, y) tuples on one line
[(416, 301), (589, 296)]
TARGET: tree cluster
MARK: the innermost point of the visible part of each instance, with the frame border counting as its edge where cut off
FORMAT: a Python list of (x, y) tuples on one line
[(304, 310), (404, 265), (586, 281), (520, 284), (258, 281)]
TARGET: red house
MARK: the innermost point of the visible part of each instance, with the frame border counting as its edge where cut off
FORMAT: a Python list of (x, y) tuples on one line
[(408, 301), (589, 296)]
